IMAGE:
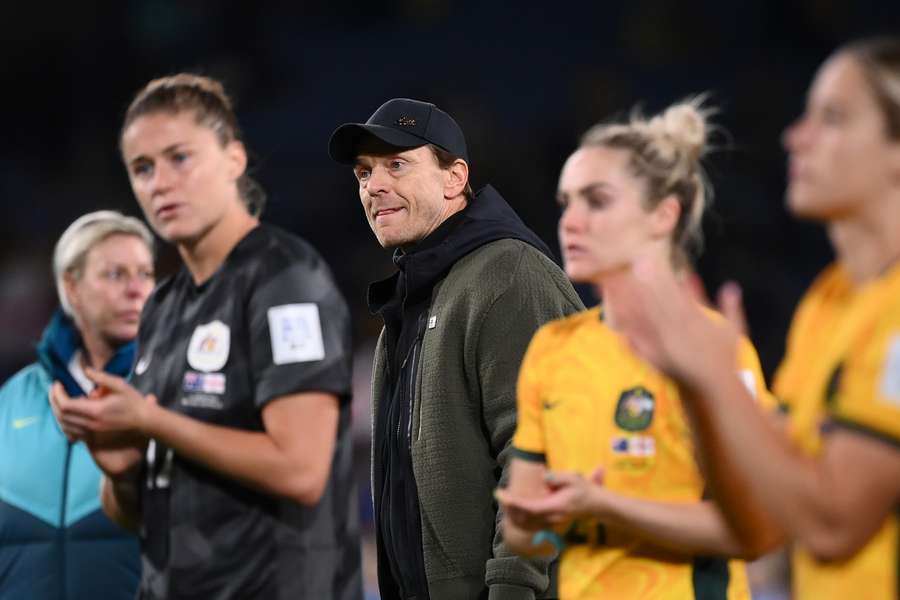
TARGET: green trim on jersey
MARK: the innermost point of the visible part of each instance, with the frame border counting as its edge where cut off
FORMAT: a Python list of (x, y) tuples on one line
[(710, 577), (538, 457), (849, 425)]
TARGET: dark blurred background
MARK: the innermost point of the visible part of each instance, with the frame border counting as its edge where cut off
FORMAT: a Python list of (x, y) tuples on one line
[(523, 79)]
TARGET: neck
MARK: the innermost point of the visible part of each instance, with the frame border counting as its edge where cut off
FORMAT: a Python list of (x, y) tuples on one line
[(97, 351), (866, 246), (451, 208), (204, 255), (609, 306)]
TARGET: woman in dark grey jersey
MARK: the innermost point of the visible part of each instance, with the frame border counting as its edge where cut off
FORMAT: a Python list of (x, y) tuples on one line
[(230, 449)]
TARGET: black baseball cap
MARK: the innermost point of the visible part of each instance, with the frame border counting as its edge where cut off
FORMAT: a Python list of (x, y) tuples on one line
[(402, 123)]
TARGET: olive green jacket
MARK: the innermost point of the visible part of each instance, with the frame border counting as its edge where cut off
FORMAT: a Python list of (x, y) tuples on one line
[(481, 319)]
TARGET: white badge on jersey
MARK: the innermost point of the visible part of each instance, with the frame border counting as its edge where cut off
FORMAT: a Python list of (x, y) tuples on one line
[(296, 333), (890, 374), (210, 343)]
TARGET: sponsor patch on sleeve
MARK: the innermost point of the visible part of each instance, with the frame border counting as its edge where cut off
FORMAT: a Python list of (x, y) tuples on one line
[(890, 374), (296, 333)]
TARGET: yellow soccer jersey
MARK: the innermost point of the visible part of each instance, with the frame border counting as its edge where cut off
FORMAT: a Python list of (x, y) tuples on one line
[(842, 368), (586, 400)]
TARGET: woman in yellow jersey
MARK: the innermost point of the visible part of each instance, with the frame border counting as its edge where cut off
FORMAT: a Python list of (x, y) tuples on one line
[(603, 453), (832, 485)]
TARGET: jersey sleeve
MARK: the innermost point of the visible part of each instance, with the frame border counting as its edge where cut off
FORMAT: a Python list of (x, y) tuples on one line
[(867, 393), (528, 441), (750, 372), (299, 328)]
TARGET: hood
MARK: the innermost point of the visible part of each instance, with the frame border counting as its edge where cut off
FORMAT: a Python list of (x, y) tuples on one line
[(485, 219)]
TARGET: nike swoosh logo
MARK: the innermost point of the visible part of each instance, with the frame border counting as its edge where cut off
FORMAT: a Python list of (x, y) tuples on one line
[(550, 405), (22, 423)]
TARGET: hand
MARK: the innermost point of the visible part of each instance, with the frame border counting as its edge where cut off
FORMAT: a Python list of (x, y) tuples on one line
[(570, 496), (518, 510), (729, 300), (117, 409), (665, 326), (119, 457), (59, 400)]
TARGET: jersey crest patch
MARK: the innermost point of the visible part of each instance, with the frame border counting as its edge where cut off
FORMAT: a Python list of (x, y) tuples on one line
[(296, 333), (634, 411), (890, 374), (209, 347)]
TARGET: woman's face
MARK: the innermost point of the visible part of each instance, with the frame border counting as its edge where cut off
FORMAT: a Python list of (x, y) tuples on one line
[(108, 294), (604, 225), (839, 155), (183, 177)]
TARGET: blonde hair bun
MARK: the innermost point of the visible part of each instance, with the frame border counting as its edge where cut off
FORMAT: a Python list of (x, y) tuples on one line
[(681, 129)]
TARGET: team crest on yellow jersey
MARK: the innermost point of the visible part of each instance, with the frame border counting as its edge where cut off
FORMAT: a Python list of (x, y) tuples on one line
[(634, 411)]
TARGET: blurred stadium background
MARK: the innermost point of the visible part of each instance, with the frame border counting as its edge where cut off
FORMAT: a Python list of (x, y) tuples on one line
[(524, 80)]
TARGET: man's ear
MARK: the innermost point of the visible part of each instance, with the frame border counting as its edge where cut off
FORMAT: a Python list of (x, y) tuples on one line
[(456, 178)]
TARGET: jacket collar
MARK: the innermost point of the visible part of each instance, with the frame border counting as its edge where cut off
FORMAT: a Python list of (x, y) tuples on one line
[(485, 219), (58, 345)]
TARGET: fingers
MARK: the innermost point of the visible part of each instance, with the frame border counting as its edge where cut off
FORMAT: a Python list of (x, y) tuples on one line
[(558, 479), (694, 285), (516, 510), (556, 518), (77, 426), (503, 497), (76, 417), (511, 502), (730, 302), (598, 475), (107, 381)]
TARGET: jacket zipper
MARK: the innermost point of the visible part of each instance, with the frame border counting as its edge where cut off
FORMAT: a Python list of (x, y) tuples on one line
[(413, 354), (63, 532), (412, 391)]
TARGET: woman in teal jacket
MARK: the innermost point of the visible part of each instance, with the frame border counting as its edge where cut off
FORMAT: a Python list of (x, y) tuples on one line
[(55, 541)]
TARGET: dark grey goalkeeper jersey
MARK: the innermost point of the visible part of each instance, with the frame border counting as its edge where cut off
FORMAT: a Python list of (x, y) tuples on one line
[(270, 322)]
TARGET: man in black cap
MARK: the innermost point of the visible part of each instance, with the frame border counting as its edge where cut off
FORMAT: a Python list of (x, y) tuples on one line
[(473, 284)]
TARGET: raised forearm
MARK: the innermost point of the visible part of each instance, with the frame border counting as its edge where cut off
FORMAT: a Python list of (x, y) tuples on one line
[(247, 456), (690, 527), (764, 486)]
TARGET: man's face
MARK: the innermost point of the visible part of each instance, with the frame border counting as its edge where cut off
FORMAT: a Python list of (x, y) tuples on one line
[(404, 193)]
